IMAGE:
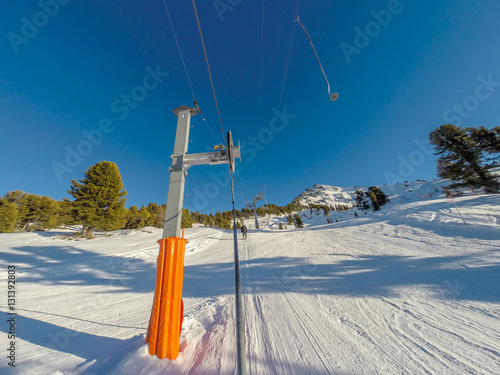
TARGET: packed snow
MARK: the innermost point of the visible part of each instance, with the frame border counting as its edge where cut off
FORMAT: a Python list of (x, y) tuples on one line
[(409, 289)]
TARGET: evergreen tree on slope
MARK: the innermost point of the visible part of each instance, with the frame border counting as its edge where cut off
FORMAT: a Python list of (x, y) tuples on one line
[(382, 198), (187, 219), (99, 199), (8, 216), (467, 155), (37, 213), (298, 221)]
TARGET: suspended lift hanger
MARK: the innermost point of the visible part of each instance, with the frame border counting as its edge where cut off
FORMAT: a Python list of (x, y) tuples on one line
[(335, 95)]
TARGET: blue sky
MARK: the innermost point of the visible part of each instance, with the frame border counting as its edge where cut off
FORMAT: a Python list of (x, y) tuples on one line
[(402, 68)]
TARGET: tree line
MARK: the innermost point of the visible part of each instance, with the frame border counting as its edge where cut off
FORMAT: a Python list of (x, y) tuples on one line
[(466, 157), (99, 204)]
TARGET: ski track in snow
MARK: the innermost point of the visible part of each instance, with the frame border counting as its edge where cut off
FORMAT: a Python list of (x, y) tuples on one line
[(409, 291)]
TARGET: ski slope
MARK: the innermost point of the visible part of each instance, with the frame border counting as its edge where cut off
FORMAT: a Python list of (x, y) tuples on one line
[(409, 289)]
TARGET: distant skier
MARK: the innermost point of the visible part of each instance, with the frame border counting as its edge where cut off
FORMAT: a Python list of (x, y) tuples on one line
[(244, 231)]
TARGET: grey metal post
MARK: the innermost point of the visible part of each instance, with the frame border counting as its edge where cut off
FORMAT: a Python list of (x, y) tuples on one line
[(255, 212), (240, 321), (255, 199), (175, 200)]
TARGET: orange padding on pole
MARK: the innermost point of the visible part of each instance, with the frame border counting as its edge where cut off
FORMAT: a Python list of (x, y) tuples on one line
[(165, 323)]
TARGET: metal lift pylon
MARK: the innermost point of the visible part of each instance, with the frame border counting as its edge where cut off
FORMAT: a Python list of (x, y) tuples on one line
[(165, 323), (254, 206)]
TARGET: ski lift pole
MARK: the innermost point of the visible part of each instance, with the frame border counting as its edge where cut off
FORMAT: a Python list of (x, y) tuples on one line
[(449, 196), (255, 213), (255, 200), (165, 322), (240, 321)]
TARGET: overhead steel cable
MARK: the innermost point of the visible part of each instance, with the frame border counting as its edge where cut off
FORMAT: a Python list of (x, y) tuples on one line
[(209, 71), (240, 323), (179, 49), (238, 186), (217, 140), (315, 54), (333, 96), (288, 56), (261, 59)]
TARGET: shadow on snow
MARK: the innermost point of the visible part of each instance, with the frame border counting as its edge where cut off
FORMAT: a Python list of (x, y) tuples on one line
[(101, 353), (448, 277), (68, 265)]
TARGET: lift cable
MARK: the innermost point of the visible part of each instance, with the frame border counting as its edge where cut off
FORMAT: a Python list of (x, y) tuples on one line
[(261, 60), (238, 186), (333, 96), (217, 140), (288, 56), (209, 71), (210, 128), (179, 48)]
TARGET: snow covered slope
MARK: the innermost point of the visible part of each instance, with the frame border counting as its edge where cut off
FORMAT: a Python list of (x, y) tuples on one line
[(409, 289)]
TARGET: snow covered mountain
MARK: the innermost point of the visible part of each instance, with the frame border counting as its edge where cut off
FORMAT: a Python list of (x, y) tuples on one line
[(411, 201), (408, 289), (398, 193)]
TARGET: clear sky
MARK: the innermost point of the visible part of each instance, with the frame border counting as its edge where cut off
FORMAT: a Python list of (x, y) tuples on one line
[(107, 75)]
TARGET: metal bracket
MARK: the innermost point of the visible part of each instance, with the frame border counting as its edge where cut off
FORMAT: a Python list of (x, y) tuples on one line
[(192, 111), (211, 158)]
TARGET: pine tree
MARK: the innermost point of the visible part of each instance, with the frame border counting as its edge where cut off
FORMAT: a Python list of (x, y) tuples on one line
[(364, 203), (14, 196), (281, 225), (187, 219), (381, 197), (99, 199), (137, 218), (488, 141), (298, 221), (49, 213), (467, 155), (197, 217), (37, 213), (8, 216), (156, 215), (65, 212), (143, 216), (373, 198)]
